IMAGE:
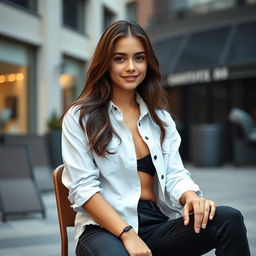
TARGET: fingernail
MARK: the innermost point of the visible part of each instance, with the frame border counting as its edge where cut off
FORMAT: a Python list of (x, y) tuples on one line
[(204, 226), (211, 217), (197, 230)]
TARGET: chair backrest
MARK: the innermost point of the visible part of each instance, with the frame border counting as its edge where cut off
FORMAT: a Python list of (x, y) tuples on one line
[(66, 214), (15, 162), (37, 146), (242, 119)]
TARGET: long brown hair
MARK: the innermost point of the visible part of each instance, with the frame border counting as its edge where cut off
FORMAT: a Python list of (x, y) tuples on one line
[(97, 93)]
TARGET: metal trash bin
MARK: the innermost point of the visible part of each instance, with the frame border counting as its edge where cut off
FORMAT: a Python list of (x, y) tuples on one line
[(206, 144)]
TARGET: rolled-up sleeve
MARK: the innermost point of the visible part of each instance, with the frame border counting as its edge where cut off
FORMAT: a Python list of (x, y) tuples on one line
[(80, 175), (178, 179)]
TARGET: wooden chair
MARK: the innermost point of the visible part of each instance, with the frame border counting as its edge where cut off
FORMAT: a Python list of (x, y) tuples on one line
[(66, 214)]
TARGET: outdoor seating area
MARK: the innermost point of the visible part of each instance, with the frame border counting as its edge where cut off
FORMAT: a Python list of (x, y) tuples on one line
[(32, 193), (226, 185), (33, 198), (25, 174)]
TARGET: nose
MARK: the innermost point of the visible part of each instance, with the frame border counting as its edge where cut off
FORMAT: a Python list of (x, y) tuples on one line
[(130, 66)]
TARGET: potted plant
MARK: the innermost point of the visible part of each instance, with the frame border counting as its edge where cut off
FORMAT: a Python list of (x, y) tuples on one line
[(54, 140)]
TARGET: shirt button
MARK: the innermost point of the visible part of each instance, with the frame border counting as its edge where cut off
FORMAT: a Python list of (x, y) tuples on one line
[(162, 177), (155, 157), (146, 137)]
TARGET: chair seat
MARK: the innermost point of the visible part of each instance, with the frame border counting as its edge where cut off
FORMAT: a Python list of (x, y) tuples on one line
[(19, 196)]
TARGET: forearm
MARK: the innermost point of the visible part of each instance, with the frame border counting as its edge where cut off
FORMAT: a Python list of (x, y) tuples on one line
[(104, 214)]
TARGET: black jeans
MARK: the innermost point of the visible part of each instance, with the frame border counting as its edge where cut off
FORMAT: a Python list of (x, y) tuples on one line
[(226, 233)]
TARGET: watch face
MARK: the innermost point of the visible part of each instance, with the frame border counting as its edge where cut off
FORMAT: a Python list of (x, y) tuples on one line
[(127, 228)]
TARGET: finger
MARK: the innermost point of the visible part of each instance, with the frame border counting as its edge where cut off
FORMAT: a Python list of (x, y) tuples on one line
[(186, 215), (198, 214), (213, 210), (206, 214)]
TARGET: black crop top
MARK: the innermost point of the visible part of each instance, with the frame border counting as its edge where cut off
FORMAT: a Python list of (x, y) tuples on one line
[(146, 165)]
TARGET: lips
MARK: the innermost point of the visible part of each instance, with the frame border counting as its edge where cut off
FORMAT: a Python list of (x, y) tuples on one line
[(130, 78)]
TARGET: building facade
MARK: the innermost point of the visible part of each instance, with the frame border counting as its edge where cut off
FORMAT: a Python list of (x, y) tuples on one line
[(44, 48), (206, 50), (140, 11)]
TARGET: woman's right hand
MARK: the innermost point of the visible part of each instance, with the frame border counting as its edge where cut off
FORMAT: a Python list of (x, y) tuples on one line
[(134, 244)]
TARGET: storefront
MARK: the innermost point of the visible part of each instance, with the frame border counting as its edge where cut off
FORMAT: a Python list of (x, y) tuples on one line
[(206, 74), (17, 92)]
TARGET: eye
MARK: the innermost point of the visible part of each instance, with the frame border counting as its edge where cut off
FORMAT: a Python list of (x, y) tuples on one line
[(119, 59), (140, 58)]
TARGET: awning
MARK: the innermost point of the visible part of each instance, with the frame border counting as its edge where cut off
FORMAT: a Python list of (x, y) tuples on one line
[(206, 56)]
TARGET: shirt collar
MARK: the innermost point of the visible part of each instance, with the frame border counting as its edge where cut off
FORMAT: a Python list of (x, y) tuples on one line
[(142, 105)]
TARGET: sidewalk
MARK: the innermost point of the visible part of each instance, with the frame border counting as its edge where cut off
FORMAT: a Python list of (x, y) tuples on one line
[(228, 185)]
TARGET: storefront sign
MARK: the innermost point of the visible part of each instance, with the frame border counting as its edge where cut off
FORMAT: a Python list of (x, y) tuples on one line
[(198, 76)]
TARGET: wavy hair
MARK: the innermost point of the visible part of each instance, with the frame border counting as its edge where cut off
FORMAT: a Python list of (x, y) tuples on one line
[(97, 93)]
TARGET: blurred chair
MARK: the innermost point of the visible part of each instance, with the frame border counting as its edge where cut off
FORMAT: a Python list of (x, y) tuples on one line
[(244, 150), (66, 214), (40, 157), (19, 193)]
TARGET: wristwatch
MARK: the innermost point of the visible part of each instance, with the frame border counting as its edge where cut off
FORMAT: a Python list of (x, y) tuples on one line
[(126, 229)]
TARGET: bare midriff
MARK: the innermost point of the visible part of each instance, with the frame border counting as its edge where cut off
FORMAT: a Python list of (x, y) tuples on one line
[(146, 182)]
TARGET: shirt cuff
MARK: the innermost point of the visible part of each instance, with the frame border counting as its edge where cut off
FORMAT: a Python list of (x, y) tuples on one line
[(82, 198), (183, 187)]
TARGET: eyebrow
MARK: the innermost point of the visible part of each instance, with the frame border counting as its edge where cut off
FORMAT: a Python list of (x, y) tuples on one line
[(123, 53)]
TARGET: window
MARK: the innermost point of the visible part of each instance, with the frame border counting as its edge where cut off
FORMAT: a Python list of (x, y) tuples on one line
[(30, 5), (71, 79), (200, 6), (17, 88), (74, 15), (108, 17), (131, 9)]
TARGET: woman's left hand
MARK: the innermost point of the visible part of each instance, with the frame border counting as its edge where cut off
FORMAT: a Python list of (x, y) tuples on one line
[(202, 208)]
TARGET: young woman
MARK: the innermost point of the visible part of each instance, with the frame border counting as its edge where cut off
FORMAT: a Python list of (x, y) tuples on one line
[(123, 170)]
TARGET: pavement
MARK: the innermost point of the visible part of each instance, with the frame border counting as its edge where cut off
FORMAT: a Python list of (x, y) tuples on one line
[(31, 235)]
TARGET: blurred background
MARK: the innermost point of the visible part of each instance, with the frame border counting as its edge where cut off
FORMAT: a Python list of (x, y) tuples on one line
[(207, 56), (206, 50)]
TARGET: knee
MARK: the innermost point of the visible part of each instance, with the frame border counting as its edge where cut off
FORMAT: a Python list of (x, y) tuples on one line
[(228, 213)]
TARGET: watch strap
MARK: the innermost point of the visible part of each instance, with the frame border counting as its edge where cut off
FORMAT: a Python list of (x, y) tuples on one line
[(126, 229)]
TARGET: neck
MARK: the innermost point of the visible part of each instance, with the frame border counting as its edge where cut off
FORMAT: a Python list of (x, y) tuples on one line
[(124, 99)]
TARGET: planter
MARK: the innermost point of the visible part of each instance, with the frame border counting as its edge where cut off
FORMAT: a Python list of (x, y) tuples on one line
[(54, 147)]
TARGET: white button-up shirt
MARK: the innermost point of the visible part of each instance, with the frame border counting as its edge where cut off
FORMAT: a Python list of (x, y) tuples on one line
[(116, 177)]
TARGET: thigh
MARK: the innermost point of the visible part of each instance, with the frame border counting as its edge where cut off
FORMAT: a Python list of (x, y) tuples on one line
[(97, 241), (173, 238)]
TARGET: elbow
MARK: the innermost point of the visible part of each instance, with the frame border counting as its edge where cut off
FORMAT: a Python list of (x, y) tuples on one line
[(79, 195)]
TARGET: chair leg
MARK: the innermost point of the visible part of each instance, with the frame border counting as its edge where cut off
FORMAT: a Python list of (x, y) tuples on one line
[(64, 243)]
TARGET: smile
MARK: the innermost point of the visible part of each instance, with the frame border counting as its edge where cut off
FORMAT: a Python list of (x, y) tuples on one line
[(130, 78)]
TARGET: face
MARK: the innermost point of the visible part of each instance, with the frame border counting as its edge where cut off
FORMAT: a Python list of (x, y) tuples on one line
[(128, 65)]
